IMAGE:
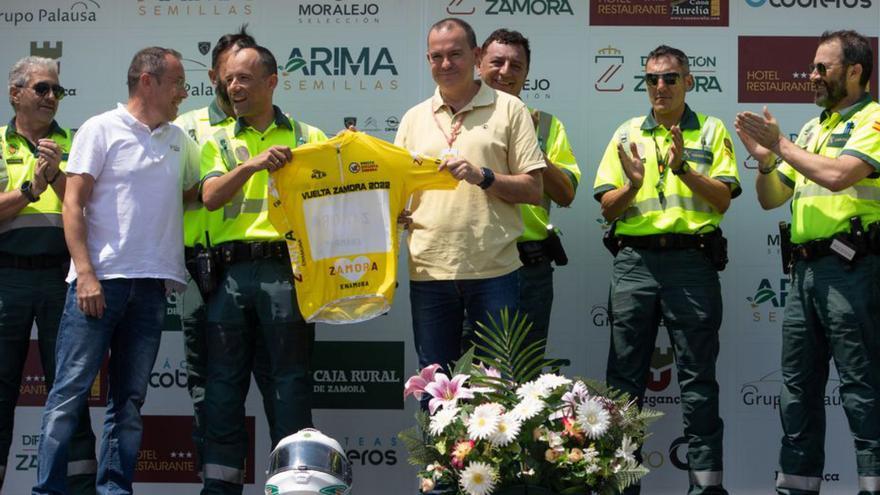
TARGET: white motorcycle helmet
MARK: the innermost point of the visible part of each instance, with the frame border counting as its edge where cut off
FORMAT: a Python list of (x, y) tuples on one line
[(308, 463)]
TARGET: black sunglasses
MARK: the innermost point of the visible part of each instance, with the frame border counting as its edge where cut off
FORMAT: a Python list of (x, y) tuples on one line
[(821, 68), (43, 88), (669, 78)]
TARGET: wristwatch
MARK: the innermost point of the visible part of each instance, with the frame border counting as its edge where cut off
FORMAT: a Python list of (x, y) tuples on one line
[(27, 191), (488, 178), (683, 169)]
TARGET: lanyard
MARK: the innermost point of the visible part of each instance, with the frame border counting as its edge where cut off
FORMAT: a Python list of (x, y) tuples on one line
[(456, 128), (662, 166)]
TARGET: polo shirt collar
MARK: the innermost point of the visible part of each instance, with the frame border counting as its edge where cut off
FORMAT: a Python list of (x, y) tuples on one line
[(280, 120), (688, 122), (847, 112), (216, 115), (54, 129), (485, 96), (131, 121)]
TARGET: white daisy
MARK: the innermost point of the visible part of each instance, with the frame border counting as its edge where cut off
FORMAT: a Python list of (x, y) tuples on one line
[(527, 409), (508, 429), (592, 418), (551, 381), (443, 418), (532, 390), (478, 479), (591, 454), (626, 450), (483, 423)]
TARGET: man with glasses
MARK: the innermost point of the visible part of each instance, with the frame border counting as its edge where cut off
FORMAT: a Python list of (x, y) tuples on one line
[(664, 183), (123, 210), (831, 173), (33, 255)]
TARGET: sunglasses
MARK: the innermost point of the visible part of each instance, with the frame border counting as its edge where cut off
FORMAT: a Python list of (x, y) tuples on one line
[(821, 68), (669, 78), (42, 89)]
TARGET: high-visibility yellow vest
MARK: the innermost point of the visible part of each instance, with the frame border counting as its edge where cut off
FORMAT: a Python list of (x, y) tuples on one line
[(817, 212), (665, 204), (246, 216)]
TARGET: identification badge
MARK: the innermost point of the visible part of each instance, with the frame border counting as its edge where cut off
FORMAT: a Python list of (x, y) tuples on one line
[(448, 153), (843, 249)]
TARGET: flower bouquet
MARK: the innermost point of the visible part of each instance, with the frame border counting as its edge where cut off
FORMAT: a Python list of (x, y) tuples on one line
[(502, 425)]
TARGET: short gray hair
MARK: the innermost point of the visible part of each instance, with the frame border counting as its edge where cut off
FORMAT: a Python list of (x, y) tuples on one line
[(21, 70)]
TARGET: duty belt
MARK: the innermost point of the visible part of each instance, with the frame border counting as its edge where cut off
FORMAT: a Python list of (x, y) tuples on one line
[(812, 250), (41, 262), (663, 241), (532, 252), (237, 251)]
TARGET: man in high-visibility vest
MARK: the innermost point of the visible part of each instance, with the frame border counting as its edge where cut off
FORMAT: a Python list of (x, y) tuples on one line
[(830, 173), (664, 182), (33, 254), (504, 65), (201, 124), (255, 291)]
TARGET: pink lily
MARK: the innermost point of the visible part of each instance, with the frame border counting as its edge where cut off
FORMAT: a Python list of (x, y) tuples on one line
[(416, 384), (446, 392)]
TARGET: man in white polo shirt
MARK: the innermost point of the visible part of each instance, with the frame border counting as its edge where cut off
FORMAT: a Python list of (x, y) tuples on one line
[(123, 225)]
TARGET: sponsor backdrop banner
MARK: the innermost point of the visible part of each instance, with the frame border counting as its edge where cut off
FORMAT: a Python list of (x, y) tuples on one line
[(366, 59)]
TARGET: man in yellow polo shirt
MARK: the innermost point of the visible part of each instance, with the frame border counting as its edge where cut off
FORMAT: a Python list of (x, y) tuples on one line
[(504, 65), (830, 173), (33, 254), (255, 291), (664, 182), (462, 243)]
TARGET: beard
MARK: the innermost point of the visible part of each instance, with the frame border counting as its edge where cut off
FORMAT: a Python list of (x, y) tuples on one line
[(835, 92)]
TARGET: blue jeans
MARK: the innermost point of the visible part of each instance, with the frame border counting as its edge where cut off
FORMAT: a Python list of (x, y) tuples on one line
[(130, 328), (438, 311)]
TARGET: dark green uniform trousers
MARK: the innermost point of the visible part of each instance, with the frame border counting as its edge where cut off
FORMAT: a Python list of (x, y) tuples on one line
[(832, 311), (681, 288), (193, 320), (27, 296), (255, 297)]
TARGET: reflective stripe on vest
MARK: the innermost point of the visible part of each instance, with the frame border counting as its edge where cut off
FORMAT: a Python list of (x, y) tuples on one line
[(812, 190), (235, 207), (543, 130), (75, 468), (32, 220), (706, 478), (806, 483), (224, 473), (869, 483), (691, 203)]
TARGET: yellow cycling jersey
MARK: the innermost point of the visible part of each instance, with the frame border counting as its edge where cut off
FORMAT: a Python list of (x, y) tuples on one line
[(337, 205)]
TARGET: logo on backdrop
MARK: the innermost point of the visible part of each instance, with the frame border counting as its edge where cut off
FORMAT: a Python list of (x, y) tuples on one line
[(34, 389), (653, 13), (600, 316), (168, 374), (768, 302), (678, 453), (765, 77), (537, 88), (764, 392), (77, 12), (374, 124), (335, 14), (510, 7), (370, 450), (358, 375), (168, 455), (608, 62), (194, 8), (339, 68)]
